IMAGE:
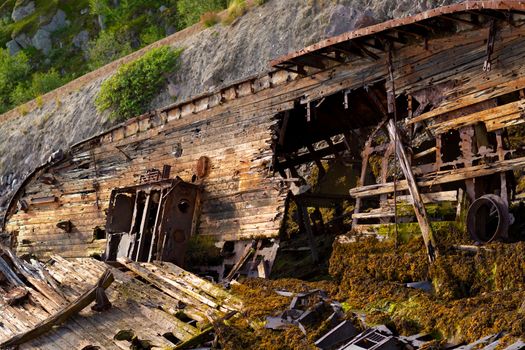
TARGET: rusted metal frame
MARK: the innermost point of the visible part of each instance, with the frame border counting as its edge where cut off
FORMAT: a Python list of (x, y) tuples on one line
[(487, 65), (419, 207), (503, 175), (143, 224)]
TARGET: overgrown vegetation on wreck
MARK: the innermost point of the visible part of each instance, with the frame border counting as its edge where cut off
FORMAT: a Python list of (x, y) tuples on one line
[(475, 293)]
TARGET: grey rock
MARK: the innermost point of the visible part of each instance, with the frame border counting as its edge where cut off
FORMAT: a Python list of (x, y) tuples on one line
[(59, 21), (13, 47), (345, 18), (170, 30), (162, 8), (23, 40), (81, 40), (84, 11), (20, 12), (42, 41)]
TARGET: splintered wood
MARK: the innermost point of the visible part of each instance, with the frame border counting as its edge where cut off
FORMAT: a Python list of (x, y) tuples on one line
[(150, 313)]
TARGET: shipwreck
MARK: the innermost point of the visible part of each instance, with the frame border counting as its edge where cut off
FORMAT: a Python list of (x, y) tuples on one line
[(416, 111)]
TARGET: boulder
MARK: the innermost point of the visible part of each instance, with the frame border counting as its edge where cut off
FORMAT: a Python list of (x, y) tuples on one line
[(81, 40), (59, 21), (13, 47), (42, 41), (23, 40), (20, 12)]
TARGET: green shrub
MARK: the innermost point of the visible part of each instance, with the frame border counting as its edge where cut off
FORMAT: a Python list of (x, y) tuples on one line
[(13, 70), (40, 84), (108, 47), (190, 11), (129, 92), (151, 34)]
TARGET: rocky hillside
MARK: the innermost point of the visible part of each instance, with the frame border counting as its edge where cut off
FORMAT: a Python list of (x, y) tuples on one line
[(212, 57)]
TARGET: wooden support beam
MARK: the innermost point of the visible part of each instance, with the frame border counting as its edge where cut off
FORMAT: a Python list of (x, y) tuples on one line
[(467, 136), (419, 208), (248, 251), (317, 160), (503, 176), (143, 228), (156, 228), (304, 218), (304, 158)]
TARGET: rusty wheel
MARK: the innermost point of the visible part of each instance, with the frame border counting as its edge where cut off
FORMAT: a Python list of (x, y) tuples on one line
[(488, 219)]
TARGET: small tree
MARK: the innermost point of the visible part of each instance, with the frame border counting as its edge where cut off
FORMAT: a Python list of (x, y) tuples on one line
[(129, 92), (13, 70)]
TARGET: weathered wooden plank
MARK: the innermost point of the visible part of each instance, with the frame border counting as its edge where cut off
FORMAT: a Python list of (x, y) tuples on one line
[(419, 208), (442, 177)]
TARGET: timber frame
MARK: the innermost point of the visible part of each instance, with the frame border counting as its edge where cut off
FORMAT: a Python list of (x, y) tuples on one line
[(448, 83)]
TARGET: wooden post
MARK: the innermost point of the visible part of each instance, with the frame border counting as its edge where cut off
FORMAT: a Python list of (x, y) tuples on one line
[(419, 208), (467, 133), (503, 175), (304, 218)]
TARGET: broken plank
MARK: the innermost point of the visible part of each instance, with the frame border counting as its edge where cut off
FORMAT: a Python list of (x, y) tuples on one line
[(419, 208), (83, 301)]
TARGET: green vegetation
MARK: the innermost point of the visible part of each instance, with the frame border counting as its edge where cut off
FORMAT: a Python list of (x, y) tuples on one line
[(129, 92), (97, 33), (190, 11), (13, 70), (109, 46)]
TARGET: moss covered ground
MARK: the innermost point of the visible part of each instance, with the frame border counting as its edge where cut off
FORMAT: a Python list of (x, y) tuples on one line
[(476, 293)]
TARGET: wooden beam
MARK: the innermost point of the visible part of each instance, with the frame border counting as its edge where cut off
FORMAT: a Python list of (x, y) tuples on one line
[(441, 177), (419, 208), (304, 218)]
